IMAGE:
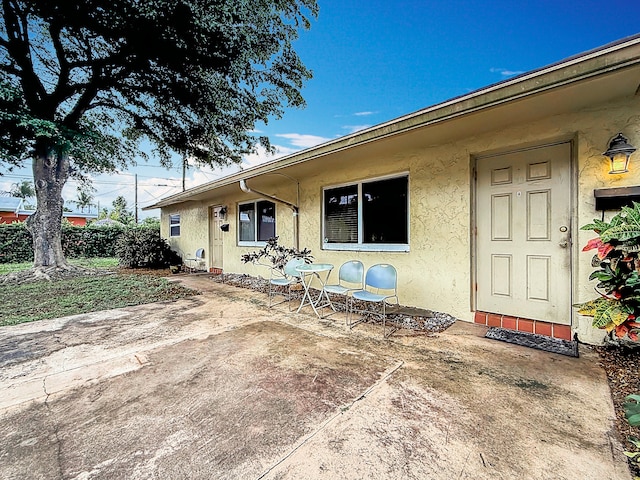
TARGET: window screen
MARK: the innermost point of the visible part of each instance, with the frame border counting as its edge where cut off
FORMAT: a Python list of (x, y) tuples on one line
[(341, 214), (174, 225), (372, 213), (256, 221)]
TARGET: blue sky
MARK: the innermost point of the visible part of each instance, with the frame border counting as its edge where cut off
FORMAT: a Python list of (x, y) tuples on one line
[(376, 60)]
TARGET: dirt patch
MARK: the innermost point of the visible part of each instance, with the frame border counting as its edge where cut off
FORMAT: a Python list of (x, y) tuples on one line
[(227, 403)]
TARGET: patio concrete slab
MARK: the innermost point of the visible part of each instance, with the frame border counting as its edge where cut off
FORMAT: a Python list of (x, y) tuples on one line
[(219, 386)]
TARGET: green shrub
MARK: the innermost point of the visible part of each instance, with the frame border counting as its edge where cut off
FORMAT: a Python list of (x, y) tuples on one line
[(632, 414), (617, 264), (142, 247), (16, 244)]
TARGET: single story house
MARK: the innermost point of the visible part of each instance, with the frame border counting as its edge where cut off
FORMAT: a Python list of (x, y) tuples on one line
[(12, 210), (477, 201)]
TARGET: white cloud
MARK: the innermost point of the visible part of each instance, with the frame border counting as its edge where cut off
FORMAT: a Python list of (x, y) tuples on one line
[(355, 128), (303, 141), (6, 185), (364, 114), (506, 73), (262, 156)]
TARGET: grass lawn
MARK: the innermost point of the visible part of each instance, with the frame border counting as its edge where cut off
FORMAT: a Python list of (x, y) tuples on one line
[(42, 300), (109, 262)]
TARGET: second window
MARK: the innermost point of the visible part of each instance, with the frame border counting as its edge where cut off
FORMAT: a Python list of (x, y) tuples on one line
[(371, 215), (256, 222)]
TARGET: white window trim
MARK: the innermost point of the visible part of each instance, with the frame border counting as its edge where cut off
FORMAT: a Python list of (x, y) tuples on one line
[(368, 247), (244, 243), (173, 225)]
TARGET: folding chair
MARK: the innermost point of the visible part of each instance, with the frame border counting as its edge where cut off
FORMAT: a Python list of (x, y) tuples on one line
[(350, 279), (286, 278), (380, 284)]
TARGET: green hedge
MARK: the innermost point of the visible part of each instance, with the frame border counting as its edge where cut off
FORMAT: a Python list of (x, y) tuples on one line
[(142, 247), (90, 241), (16, 244)]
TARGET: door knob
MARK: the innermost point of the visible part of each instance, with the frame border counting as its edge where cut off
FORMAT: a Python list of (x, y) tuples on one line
[(563, 244)]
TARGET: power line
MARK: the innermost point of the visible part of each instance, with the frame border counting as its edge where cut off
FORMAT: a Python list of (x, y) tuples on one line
[(102, 182)]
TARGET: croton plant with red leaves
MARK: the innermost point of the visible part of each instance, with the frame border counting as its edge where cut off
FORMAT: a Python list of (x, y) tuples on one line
[(618, 274)]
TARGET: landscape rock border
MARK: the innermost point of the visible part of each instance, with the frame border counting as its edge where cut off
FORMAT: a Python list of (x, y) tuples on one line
[(407, 318)]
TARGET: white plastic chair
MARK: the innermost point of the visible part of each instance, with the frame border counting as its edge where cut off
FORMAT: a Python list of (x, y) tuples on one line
[(286, 278), (350, 279), (192, 264), (380, 285)]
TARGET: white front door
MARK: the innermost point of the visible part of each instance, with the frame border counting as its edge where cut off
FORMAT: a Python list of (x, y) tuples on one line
[(523, 224), (216, 235)]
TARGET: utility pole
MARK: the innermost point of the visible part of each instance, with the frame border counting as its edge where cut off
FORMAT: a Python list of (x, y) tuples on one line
[(135, 201), (184, 170)]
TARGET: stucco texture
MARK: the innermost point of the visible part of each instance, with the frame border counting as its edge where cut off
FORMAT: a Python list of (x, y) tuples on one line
[(437, 272)]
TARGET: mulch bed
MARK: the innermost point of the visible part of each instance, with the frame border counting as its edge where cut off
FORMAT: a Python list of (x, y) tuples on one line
[(622, 364)]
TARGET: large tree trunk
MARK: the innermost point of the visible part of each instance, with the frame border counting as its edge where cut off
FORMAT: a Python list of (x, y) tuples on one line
[(50, 173)]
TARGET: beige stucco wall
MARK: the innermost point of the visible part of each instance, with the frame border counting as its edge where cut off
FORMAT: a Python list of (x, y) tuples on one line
[(194, 229), (436, 272)]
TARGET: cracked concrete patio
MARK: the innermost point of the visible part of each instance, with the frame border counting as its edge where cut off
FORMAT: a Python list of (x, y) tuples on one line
[(219, 386)]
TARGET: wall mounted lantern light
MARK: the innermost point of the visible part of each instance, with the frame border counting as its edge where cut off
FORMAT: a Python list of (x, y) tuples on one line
[(618, 153)]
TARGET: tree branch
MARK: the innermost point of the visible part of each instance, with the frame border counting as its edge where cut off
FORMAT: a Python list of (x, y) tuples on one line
[(63, 75), (16, 26)]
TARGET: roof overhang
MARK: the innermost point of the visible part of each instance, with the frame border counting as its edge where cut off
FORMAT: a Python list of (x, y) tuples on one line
[(592, 78)]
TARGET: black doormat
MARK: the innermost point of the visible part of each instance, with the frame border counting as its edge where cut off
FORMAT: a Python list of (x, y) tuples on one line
[(532, 340)]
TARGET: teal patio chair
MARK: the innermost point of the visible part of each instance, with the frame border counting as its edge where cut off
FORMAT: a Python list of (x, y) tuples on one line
[(350, 279), (380, 285), (286, 278)]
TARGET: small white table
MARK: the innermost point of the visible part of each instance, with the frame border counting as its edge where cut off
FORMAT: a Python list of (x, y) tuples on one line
[(308, 272)]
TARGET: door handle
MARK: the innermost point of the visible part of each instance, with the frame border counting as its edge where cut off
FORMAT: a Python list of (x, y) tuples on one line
[(563, 244)]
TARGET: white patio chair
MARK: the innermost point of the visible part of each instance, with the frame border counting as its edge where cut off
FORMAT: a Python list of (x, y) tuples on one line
[(380, 285), (192, 264), (350, 279), (286, 278)]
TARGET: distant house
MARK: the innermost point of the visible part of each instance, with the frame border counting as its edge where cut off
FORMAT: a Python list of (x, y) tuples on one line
[(478, 201), (12, 210)]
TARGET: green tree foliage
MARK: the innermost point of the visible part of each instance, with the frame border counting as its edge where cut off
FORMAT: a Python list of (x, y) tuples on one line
[(151, 222), (143, 247), (23, 190), (82, 82), (84, 198), (121, 212)]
